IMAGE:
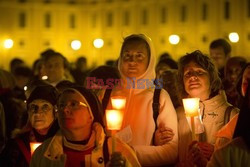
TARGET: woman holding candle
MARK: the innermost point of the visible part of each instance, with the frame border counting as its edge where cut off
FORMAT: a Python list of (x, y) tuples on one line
[(136, 65), (199, 78), (81, 138), (41, 124)]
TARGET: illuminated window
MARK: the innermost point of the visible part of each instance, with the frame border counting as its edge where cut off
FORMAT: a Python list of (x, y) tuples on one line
[(204, 12), (183, 13), (72, 21), (47, 18), (126, 18), (163, 15), (109, 19), (22, 20), (144, 17), (227, 10)]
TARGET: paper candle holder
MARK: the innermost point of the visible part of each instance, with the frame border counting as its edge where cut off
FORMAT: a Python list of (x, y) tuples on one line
[(118, 102), (191, 106)]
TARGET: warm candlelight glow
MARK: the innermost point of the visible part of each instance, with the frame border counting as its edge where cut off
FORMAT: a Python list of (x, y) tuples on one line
[(114, 119), (33, 146), (118, 102), (191, 106)]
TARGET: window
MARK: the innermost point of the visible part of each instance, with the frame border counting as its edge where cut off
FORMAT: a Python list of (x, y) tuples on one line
[(46, 1), (72, 21), (144, 17), (204, 12), (22, 1), (163, 15), (183, 13), (47, 20), (248, 8), (227, 10), (93, 20), (22, 20), (72, 1), (126, 18), (109, 19)]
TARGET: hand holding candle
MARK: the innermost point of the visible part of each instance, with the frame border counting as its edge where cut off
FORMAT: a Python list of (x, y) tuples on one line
[(114, 117)]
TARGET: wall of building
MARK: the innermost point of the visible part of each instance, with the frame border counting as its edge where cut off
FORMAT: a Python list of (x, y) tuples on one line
[(112, 20)]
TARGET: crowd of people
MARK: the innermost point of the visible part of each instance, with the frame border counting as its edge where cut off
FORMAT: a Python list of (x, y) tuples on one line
[(63, 108)]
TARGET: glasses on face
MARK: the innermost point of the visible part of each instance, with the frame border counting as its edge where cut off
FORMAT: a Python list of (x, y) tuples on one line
[(33, 108), (139, 57), (198, 73), (71, 105)]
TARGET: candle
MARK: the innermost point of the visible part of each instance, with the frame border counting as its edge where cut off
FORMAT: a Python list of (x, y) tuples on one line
[(114, 119), (191, 106), (118, 102), (33, 146)]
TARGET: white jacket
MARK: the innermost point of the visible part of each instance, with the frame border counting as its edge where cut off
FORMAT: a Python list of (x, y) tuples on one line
[(138, 116)]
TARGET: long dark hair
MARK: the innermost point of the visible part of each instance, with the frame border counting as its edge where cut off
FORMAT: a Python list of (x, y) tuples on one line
[(243, 123)]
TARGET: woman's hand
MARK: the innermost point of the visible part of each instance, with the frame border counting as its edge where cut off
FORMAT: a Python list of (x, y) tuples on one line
[(117, 160), (163, 135), (196, 155)]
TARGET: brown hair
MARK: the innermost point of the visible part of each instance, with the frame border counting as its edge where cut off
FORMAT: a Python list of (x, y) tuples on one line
[(204, 62)]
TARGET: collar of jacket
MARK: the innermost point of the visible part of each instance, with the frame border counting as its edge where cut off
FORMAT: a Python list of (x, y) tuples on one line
[(54, 150), (213, 103)]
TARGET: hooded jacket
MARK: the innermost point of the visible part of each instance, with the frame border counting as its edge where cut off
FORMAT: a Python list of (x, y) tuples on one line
[(138, 114)]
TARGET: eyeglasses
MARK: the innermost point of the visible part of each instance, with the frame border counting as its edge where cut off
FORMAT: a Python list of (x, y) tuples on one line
[(194, 73), (72, 105), (33, 108), (139, 57)]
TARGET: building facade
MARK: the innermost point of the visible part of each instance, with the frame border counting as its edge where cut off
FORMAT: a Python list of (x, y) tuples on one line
[(35, 25)]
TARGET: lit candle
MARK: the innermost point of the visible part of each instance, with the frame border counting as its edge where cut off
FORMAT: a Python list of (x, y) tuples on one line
[(191, 107), (33, 146), (114, 119), (118, 102)]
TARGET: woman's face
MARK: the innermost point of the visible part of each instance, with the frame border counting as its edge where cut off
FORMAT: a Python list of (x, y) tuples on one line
[(40, 114), (196, 81), (135, 59), (245, 80), (73, 112)]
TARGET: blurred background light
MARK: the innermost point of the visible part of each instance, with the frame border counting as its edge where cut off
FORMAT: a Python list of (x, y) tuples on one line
[(174, 39), (76, 44), (8, 43), (233, 37), (98, 43)]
